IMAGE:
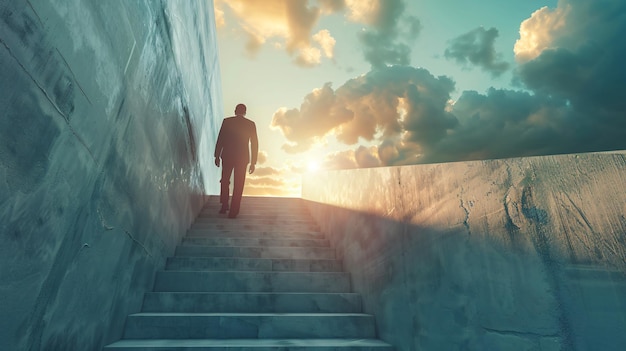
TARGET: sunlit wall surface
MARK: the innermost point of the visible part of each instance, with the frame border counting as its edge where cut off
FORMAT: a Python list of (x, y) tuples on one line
[(108, 117), (511, 254)]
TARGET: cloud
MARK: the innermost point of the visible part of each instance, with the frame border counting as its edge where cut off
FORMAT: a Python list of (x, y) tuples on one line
[(572, 102), (331, 6), (326, 42), (361, 157), (366, 157), (477, 48), (308, 57), (288, 23), (319, 114), (386, 40), (270, 181), (574, 52), (265, 172), (538, 32), (381, 104), (262, 157), (219, 15), (340, 160)]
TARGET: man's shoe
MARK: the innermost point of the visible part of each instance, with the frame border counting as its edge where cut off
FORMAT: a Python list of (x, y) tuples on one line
[(224, 210), (232, 215)]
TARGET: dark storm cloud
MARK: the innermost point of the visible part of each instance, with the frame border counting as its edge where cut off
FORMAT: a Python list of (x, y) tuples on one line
[(477, 48)]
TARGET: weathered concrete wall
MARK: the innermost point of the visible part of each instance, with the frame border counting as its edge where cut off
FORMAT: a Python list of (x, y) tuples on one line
[(108, 116), (512, 254)]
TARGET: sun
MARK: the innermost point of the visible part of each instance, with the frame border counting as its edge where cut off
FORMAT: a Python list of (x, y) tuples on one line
[(313, 166)]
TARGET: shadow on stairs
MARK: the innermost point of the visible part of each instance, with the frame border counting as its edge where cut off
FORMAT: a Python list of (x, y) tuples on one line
[(267, 280)]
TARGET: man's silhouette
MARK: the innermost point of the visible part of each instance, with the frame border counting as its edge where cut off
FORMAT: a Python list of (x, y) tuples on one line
[(236, 136)]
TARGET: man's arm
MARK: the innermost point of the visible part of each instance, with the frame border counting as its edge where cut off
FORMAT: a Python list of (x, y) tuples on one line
[(254, 146), (219, 146)]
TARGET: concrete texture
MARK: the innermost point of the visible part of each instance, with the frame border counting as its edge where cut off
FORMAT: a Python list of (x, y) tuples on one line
[(108, 116), (512, 254), (224, 299)]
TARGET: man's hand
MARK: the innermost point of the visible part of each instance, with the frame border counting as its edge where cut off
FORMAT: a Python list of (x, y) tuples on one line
[(251, 169), (217, 161)]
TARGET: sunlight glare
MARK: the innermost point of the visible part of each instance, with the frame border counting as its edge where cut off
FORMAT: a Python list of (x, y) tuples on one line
[(313, 166)]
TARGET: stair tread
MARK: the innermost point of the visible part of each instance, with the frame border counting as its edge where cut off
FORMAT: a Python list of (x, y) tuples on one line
[(249, 293), (250, 342), (240, 314)]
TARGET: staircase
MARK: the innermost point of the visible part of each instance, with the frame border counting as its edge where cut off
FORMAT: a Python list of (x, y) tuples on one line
[(266, 280)]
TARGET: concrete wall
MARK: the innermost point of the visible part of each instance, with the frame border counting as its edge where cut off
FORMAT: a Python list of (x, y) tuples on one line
[(512, 254), (108, 117)]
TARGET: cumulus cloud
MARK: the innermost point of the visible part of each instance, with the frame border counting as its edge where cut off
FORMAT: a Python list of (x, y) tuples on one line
[(538, 32), (340, 160), (386, 41), (326, 42), (384, 103), (573, 101), (287, 22), (477, 48), (361, 157), (574, 52), (319, 113), (366, 157)]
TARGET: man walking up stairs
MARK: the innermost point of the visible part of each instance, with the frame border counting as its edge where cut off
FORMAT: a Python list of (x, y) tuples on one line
[(268, 280)]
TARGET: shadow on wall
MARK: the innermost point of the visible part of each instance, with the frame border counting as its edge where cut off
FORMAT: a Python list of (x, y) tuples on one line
[(435, 289), (486, 255)]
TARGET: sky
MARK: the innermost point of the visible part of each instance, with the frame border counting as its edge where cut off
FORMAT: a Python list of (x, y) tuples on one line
[(342, 84)]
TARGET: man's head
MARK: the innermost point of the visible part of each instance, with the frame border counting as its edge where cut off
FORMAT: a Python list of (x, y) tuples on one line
[(240, 110)]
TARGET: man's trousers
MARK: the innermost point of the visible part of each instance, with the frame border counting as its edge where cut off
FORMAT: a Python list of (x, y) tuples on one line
[(240, 178)]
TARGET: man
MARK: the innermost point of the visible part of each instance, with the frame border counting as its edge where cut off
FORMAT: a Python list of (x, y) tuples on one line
[(236, 135)]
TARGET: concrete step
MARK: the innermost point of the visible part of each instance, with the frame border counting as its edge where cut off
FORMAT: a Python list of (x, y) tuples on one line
[(251, 226), (180, 281), (258, 241), (251, 208), (268, 234), (261, 201), (252, 264), (251, 302), (211, 213), (251, 345), (319, 253), (255, 213), (248, 325), (256, 222), (276, 207)]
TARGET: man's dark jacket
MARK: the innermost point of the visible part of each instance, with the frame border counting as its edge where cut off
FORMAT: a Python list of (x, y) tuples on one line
[(236, 134)]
